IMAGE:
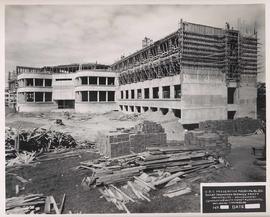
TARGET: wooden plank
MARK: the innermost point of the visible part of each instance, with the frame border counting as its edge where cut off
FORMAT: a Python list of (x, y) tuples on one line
[(145, 183), (62, 204), (162, 181)]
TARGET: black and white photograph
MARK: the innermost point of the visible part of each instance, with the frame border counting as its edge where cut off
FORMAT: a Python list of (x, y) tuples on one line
[(139, 108)]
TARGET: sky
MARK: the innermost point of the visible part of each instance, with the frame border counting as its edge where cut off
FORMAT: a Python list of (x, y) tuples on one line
[(40, 35)]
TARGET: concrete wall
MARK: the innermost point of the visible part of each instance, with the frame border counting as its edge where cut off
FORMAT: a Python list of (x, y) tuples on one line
[(99, 107), (63, 89), (204, 96), (247, 101), (36, 107)]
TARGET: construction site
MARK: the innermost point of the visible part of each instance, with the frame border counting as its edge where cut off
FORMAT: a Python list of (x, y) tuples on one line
[(141, 134)]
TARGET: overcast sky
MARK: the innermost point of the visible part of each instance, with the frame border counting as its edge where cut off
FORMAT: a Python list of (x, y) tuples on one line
[(51, 35)]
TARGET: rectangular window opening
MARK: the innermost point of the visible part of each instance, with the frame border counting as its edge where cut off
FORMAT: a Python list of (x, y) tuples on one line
[(38, 96), (93, 96), (177, 91), (48, 96), (111, 96), (139, 93), (146, 93), (126, 94), (155, 92), (84, 80), (110, 80), (93, 80), (231, 95), (102, 80), (166, 92), (29, 97), (29, 82), (84, 96), (132, 94), (38, 82), (102, 96), (48, 82)]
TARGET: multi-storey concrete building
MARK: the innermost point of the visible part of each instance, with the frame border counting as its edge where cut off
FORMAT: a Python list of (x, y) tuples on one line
[(83, 88), (199, 72)]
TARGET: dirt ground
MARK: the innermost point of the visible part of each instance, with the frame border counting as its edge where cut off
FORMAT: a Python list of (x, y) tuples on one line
[(58, 177)]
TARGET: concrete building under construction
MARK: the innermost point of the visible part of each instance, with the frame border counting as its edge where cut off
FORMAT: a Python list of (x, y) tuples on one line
[(83, 88), (199, 72)]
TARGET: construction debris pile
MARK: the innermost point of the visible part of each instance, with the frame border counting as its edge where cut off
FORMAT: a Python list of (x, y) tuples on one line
[(135, 139), (30, 204), (214, 143), (239, 126), (158, 168), (34, 204), (36, 139)]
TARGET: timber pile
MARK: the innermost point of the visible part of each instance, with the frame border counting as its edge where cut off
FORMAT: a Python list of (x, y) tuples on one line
[(36, 139), (214, 143), (121, 169), (239, 126), (169, 169), (30, 204)]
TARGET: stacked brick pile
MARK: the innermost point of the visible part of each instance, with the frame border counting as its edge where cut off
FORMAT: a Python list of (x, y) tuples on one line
[(214, 143), (154, 133), (113, 144), (126, 141), (240, 126)]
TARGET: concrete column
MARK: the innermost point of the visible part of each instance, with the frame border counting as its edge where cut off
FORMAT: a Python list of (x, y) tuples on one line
[(135, 93), (106, 81), (97, 96), (143, 96), (34, 96), (150, 93), (97, 80), (34, 82), (43, 95), (171, 92), (43, 82), (159, 93), (107, 96)]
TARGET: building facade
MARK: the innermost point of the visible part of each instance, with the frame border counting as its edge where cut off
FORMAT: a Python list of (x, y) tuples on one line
[(82, 89), (198, 72)]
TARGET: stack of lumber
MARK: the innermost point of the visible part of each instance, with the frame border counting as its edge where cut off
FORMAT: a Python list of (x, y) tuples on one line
[(25, 204), (37, 139), (122, 169), (239, 126)]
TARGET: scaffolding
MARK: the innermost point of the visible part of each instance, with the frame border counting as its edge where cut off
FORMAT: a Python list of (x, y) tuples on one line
[(192, 46)]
